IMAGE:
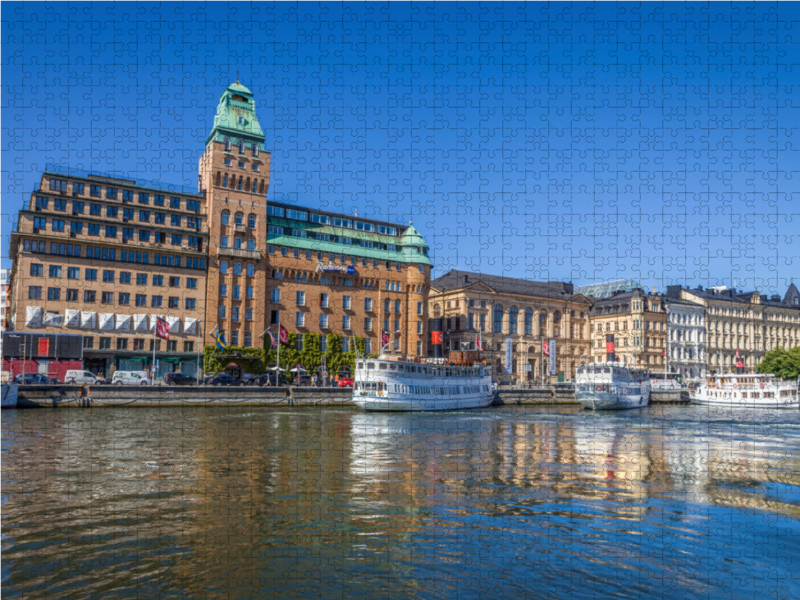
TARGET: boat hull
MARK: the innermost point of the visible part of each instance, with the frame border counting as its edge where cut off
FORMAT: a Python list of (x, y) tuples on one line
[(405, 403), (597, 401), (8, 395), (744, 402)]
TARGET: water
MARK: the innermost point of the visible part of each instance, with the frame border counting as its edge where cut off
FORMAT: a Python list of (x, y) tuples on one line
[(667, 502)]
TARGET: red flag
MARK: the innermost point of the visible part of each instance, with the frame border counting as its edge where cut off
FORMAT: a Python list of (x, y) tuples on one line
[(384, 338), (162, 328), (480, 345), (284, 335), (545, 349)]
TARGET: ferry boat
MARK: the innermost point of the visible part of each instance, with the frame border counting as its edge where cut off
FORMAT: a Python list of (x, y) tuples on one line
[(611, 386), (751, 391), (662, 381), (388, 383)]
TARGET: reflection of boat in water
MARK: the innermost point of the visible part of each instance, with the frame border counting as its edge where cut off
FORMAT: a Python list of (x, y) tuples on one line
[(611, 386), (750, 391), (385, 383), (9, 395)]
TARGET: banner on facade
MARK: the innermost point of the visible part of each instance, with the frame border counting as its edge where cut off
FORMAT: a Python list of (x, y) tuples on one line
[(509, 357), (552, 357)]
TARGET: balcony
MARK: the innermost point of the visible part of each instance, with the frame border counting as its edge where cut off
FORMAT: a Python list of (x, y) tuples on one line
[(238, 252), (240, 229)]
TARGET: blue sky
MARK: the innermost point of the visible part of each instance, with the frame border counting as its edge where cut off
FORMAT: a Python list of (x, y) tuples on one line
[(572, 142)]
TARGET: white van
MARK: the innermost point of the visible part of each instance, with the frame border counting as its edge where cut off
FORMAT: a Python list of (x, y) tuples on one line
[(131, 378), (81, 377)]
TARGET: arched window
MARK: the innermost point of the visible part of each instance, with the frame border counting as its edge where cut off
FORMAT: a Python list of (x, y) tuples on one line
[(437, 311), (543, 323), (225, 180), (223, 267), (255, 186), (557, 323), (237, 268), (251, 221), (226, 216), (254, 149), (397, 307), (529, 321), (513, 314), (241, 147), (251, 269), (238, 218), (497, 325), (239, 186), (227, 144)]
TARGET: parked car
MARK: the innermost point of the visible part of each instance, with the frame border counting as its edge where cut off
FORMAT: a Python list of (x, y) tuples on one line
[(179, 379), (346, 382), (131, 378), (304, 380), (262, 380), (82, 377), (36, 379), (222, 379)]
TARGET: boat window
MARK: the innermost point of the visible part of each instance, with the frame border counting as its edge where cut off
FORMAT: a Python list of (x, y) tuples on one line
[(401, 368), (393, 367), (382, 366), (370, 365)]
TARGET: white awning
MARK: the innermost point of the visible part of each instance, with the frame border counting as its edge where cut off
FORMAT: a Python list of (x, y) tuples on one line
[(153, 321), (174, 324), (190, 326), (72, 317), (140, 322), (106, 321), (53, 319), (33, 317), (88, 319), (123, 323)]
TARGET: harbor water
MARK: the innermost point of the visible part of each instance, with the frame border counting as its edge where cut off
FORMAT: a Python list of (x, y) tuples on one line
[(667, 501)]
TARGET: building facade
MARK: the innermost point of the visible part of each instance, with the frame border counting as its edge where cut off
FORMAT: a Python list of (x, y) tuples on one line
[(526, 313), (638, 322), (750, 323), (686, 339), (105, 256)]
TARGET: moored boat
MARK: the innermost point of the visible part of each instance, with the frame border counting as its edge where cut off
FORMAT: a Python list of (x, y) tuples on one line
[(747, 390), (661, 381), (611, 386), (8, 394), (388, 384)]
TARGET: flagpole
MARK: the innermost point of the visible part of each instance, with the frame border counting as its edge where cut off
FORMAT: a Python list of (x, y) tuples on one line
[(155, 330), (278, 372)]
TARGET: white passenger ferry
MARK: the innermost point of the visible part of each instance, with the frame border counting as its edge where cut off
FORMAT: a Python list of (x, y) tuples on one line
[(386, 383), (611, 386), (662, 381), (751, 391)]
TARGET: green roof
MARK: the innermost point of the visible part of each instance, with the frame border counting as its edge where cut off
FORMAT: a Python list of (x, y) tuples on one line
[(236, 117), (407, 255)]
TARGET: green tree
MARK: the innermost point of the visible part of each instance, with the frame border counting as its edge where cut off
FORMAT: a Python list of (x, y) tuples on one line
[(781, 363)]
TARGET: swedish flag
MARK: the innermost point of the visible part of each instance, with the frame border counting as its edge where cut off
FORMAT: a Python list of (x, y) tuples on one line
[(221, 344)]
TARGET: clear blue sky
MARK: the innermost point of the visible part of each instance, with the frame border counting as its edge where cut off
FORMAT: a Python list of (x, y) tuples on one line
[(571, 142)]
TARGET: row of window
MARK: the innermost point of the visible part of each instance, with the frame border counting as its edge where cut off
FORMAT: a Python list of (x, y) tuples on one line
[(324, 323), (111, 254), (236, 291), (123, 298), (222, 313), (238, 219), (127, 214), (257, 186), (301, 215), (240, 145), (325, 237), (324, 302), (237, 243), (56, 271), (342, 258), (96, 191), (241, 164), (111, 232), (121, 343)]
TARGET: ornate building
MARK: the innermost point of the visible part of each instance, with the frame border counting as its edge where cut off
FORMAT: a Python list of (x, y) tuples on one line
[(637, 320), (525, 312), (686, 339)]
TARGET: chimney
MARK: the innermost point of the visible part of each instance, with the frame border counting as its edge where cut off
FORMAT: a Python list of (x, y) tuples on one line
[(654, 289), (466, 279)]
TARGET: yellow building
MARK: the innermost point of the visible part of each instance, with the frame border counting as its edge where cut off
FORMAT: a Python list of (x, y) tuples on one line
[(496, 309)]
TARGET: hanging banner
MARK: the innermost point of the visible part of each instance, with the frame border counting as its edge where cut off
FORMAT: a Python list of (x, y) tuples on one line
[(552, 357), (509, 357)]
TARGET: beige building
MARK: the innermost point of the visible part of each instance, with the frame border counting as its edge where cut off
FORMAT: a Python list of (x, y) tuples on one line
[(525, 312), (638, 323), (750, 322)]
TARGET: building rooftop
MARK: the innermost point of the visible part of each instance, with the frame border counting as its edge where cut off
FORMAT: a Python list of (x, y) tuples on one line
[(455, 279), (604, 289), (120, 179)]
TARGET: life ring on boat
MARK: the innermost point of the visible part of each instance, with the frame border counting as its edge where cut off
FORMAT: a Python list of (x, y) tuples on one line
[(762, 385), (598, 388), (736, 386)]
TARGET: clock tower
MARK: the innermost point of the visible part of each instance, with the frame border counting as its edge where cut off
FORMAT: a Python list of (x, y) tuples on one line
[(234, 176)]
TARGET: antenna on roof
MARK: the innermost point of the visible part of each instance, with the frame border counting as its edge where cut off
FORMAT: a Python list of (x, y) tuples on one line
[(237, 75)]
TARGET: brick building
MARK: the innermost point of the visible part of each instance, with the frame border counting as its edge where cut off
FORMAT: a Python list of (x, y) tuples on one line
[(104, 256)]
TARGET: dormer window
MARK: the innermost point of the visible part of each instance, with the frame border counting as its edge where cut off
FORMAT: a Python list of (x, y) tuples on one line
[(254, 148), (227, 144), (241, 147)]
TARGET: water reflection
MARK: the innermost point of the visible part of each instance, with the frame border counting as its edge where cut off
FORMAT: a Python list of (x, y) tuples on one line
[(675, 501)]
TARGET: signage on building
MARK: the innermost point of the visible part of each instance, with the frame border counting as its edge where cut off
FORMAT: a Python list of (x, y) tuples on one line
[(509, 359), (552, 357), (331, 268)]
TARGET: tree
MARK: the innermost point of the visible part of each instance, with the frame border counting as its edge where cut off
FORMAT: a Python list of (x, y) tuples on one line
[(781, 363)]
